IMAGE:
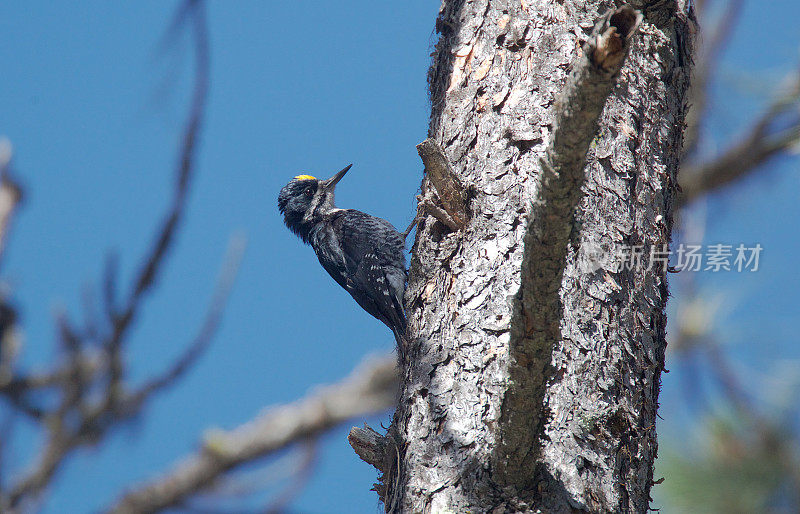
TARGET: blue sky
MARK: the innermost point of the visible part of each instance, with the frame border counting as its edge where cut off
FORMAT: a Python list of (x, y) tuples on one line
[(94, 108)]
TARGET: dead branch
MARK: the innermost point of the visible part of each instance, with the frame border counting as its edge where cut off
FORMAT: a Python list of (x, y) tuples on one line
[(578, 109), (537, 324), (715, 40), (298, 483), (10, 193), (445, 183), (79, 418), (371, 446), (206, 333), (148, 273), (761, 142), (370, 389)]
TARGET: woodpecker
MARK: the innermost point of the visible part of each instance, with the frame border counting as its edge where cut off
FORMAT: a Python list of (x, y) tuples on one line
[(362, 253)]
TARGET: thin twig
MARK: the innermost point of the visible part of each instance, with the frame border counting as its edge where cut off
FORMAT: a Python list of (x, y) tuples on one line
[(155, 258), (300, 480), (195, 349)]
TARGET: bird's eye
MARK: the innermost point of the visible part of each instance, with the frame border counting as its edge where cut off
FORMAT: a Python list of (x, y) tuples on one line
[(309, 192)]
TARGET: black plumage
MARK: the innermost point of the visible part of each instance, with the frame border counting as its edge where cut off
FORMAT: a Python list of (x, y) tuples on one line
[(362, 253)]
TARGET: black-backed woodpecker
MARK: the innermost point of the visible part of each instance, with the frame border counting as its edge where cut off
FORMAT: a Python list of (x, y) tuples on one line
[(362, 253)]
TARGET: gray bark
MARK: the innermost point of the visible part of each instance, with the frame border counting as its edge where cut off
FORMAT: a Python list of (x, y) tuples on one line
[(492, 416)]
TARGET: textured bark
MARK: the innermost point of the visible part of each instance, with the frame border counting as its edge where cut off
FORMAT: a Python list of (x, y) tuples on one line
[(490, 418)]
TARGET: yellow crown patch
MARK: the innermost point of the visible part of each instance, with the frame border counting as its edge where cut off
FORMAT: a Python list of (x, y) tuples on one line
[(305, 177)]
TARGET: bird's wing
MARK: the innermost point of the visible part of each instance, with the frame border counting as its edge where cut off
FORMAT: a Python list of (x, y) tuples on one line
[(361, 234), (375, 264), (328, 247)]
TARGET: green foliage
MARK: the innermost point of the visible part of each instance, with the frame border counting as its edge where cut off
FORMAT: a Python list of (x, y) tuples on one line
[(743, 464)]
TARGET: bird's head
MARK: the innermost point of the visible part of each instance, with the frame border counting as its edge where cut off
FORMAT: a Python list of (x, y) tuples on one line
[(305, 200)]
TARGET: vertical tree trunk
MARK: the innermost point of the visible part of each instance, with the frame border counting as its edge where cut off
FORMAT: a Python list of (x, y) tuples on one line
[(494, 415)]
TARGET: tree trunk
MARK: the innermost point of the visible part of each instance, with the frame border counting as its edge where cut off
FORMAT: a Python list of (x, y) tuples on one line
[(495, 414)]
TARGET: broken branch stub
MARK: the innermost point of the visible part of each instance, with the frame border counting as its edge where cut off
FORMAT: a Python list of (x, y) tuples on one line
[(448, 187)]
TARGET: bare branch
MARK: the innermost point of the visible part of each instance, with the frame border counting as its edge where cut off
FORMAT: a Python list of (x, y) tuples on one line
[(26, 491), (110, 274), (761, 143), (155, 258), (371, 446), (78, 418), (370, 389), (207, 331), (445, 182), (535, 325), (7, 425), (10, 193), (299, 481), (91, 363), (705, 66), (427, 205), (10, 343)]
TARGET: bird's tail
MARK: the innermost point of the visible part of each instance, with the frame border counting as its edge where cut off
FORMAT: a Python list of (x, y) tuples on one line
[(403, 343)]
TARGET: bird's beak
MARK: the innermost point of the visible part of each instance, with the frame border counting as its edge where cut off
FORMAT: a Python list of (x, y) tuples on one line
[(331, 182)]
